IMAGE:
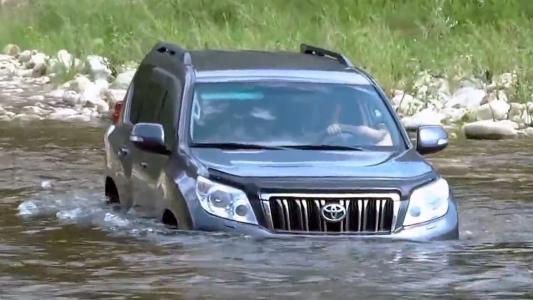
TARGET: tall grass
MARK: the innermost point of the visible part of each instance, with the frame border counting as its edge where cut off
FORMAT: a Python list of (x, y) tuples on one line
[(393, 39)]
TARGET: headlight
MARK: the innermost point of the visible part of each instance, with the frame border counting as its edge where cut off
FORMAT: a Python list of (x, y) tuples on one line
[(224, 201), (428, 202)]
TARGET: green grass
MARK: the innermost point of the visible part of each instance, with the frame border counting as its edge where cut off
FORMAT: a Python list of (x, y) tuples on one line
[(391, 39)]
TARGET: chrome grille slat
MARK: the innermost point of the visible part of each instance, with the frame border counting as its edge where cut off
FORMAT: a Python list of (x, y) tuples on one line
[(319, 220), (382, 217), (324, 224), (287, 211), (299, 213), (280, 208), (359, 215), (348, 212), (378, 206), (304, 204), (364, 213)]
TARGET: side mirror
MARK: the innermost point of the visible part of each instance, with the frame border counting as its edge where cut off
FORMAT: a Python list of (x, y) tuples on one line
[(149, 137), (431, 139)]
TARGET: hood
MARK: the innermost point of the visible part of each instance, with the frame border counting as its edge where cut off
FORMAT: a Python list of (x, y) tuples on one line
[(313, 163)]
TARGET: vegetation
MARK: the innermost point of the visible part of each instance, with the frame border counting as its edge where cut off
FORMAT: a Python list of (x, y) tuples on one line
[(393, 39)]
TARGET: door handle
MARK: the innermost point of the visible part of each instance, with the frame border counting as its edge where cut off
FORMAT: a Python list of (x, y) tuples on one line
[(143, 164), (123, 151)]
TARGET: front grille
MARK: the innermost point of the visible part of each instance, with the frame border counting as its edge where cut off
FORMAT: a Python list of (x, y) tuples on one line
[(368, 214)]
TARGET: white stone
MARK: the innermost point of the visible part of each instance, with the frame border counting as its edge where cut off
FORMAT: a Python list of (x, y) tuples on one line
[(528, 131), (97, 67), (530, 107), (64, 62), (25, 73), (71, 98), (123, 80), (424, 117), (36, 59), (24, 56), (79, 83), (519, 114), (59, 93), (11, 49), (100, 105), (62, 113), (453, 115), (495, 110), (33, 110), (36, 98), (468, 97), (490, 130), (27, 117)]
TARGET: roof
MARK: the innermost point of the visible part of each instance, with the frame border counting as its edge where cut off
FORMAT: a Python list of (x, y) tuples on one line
[(220, 65), (213, 60)]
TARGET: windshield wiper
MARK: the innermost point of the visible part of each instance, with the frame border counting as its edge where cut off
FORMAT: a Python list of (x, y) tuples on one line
[(235, 146), (324, 147)]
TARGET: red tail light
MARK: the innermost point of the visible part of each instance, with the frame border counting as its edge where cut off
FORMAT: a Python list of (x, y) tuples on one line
[(116, 113)]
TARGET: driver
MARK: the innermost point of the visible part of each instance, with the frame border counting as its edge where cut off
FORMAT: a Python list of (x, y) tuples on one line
[(342, 122)]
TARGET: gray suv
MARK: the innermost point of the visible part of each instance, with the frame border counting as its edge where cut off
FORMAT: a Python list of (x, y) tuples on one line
[(272, 144)]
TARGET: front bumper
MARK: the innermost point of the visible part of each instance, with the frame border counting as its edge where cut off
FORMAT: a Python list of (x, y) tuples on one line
[(443, 228)]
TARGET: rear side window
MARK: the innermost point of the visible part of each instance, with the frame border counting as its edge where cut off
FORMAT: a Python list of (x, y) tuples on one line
[(151, 104)]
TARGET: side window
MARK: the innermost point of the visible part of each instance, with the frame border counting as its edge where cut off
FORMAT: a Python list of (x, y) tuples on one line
[(169, 110), (151, 104), (135, 105), (137, 98)]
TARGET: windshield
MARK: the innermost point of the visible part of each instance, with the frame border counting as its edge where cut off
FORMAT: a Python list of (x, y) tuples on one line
[(291, 114)]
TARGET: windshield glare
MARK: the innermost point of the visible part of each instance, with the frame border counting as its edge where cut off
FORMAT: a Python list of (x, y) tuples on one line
[(291, 113)]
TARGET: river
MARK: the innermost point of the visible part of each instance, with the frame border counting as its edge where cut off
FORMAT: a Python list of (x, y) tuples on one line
[(59, 239)]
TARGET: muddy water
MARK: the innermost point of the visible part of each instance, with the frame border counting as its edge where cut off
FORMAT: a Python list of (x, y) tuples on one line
[(58, 239)]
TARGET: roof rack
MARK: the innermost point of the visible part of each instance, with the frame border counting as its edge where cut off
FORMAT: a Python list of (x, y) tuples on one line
[(307, 49), (173, 50)]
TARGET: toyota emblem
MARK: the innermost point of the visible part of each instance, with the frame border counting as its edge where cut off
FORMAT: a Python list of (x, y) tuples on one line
[(333, 212)]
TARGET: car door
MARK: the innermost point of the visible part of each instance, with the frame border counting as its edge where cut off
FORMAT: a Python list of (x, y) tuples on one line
[(148, 168), (118, 150)]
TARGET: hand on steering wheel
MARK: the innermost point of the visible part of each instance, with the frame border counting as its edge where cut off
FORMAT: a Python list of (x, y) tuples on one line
[(334, 129)]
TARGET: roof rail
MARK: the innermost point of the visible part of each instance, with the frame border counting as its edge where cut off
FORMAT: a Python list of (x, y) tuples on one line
[(307, 49), (173, 50)]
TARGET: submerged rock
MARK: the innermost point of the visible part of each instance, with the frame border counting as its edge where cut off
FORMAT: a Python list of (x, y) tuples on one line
[(490, 130)]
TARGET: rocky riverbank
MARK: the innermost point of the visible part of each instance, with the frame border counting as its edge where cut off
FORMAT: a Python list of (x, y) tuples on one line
[(31, 89)]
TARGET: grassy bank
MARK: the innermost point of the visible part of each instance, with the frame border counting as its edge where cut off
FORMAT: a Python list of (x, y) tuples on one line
[(391, 39)]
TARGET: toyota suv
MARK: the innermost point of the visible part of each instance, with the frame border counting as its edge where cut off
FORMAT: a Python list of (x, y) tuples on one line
[(272, 144)]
